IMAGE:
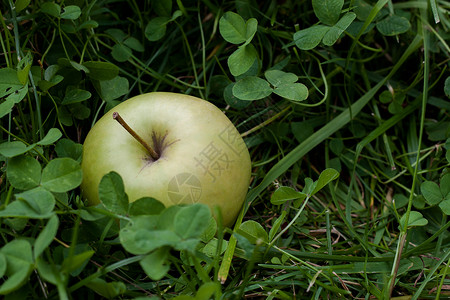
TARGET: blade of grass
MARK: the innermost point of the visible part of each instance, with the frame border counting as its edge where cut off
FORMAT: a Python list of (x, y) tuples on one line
[(430, 276), (307, 145), (428, 241), (434, 10), (404, 230)]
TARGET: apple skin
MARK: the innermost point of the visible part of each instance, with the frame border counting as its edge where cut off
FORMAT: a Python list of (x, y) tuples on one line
[(204, 160)]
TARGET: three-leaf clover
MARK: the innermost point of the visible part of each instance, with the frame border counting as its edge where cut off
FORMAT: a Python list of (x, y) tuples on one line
[(328, 12), (435, 194), (236, 31), (279, 82)]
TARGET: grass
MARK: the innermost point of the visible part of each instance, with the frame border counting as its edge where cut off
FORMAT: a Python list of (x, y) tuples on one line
[(350, 192)]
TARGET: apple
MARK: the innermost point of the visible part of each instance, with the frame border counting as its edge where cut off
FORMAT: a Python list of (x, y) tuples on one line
[(176, 148)]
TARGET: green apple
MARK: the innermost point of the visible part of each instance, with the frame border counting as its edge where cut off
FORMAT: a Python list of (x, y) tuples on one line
[(198, 154)]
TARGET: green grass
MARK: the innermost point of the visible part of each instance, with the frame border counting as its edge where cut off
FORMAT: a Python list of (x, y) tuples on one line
[(349, 134)]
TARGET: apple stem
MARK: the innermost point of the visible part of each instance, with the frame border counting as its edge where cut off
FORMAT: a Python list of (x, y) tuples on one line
[(124, 124)]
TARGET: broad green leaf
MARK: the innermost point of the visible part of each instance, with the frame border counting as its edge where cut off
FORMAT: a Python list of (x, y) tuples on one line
[(19, 265), (327, 11), (445, 185), (325, 177), (176, 14), (385, 96), (71, 12), (363, 10), (167, 217), (112, 194), (51, 71), (395, 108), (75, 96), (23, 172), (285, 193), (46, 236), (76, 261), (117, 34), (68, 148), (251, 28), (155, 264), (21, 4), (143, 241), (309, 38), (278, 77), (156, 28), (393, 25), (209, 231), (145, 206), (190, 245), (445, 206), (292, 91), (100, 70), (89, 214), (9, 82), (36, 203), (336, 30), (107, 289), (210, 248), (253, 231), (51, 137), (400, 201), (431, 192), (231, 100), (251, 88), (77, 66), (61, 175), (23, 68), (127, 234), (14, 148), (134, 44), (50, 273), (121, 53), (68, 63), (6, 107), (18, 95), (337, 146), (232, 27), (241, 60), (415, 219), (309, 186), (45, 85), (88, 25), (244, 243), (276, 225), (51, 8), (112, 89), (190, 221)]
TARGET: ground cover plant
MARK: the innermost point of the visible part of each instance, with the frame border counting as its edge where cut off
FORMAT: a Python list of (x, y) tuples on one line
[(343, 105)]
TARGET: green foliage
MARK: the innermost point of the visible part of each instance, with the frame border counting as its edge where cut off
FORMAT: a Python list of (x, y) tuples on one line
[(328, 12), (343, 105), (235, 30), (435, 194)]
